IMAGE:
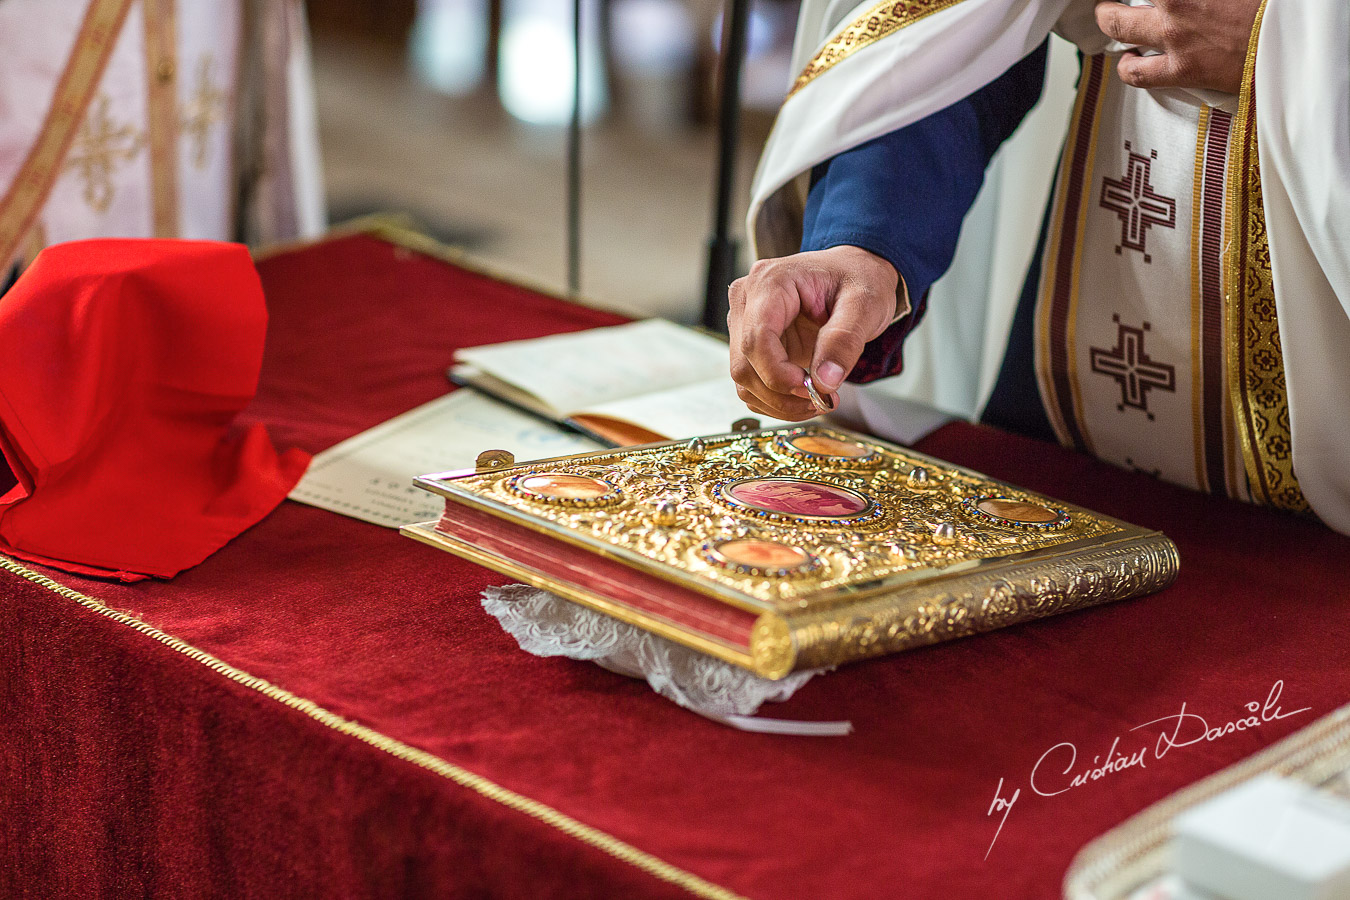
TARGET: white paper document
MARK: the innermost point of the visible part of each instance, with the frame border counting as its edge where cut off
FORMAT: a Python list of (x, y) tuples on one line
[(664, 378), (370, 476), (690, 410), (569, 372)]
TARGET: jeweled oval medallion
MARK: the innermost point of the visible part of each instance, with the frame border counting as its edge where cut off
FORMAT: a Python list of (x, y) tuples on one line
[(757, 556), (564, 488), (763, 554), (837, 452), (1017, 513), (823, 445), (1017, 510), (797, 497)]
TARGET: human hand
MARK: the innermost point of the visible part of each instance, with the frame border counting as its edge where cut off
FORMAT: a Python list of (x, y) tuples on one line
[(1202, 43), (811, 311)]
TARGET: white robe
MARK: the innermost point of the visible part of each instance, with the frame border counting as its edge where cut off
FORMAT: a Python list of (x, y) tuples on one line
[(1300, 101), (145, 118)]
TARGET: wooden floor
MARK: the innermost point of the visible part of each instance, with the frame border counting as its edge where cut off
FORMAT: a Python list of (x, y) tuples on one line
[(476, 178)]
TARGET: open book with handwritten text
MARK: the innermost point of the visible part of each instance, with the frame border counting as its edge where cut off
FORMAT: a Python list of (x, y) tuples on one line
[(646, 381)]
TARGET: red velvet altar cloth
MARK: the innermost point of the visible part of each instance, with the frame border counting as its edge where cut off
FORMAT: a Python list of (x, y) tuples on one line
[(129, 767)]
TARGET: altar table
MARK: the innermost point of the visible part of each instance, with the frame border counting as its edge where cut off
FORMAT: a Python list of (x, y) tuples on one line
[(323, 709)]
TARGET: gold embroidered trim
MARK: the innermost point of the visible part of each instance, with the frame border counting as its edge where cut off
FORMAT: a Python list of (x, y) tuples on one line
[(102, 146), (1255, 360), (161, 80), (878, 22), (84, 69), (602, 841), (202, 110)]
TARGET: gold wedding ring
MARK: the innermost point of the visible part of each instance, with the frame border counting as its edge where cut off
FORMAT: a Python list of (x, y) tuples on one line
[(823, 404)]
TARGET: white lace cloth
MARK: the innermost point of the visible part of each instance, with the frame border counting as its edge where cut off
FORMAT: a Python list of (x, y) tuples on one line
[(547, 625)]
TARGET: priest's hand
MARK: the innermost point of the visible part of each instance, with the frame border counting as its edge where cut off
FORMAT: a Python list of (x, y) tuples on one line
[(1202, 43), (811, 311)]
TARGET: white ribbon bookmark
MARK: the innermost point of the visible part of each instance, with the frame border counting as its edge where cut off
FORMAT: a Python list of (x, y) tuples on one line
[(781, 726)]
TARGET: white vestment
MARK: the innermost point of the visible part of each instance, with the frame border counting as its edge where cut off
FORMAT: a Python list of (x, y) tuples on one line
[(155, 118), (1157, 340)]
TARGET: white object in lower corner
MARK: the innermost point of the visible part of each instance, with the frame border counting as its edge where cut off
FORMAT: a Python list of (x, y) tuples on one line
[(1268, 839)]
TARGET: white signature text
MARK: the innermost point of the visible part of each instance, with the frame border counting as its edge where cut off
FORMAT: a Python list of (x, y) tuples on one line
[(1059, 771)]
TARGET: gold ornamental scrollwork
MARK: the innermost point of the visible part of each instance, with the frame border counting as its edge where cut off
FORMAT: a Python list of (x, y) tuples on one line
[(1255, 359), (914, 560), (668, 515), (983, 602), (771, 647)]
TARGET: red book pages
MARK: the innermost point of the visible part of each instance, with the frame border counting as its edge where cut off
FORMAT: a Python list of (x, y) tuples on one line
[(563, 565)]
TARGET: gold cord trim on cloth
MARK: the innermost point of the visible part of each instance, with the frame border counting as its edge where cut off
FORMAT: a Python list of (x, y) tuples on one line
[(1255, 361), (88, 58), (606, 843), (161, 78), (878, 22)]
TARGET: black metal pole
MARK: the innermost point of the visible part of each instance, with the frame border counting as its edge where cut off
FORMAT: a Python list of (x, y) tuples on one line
[(574, 161), (722, 247)]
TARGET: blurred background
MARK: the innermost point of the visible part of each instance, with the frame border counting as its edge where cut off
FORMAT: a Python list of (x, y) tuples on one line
[(455, 112)]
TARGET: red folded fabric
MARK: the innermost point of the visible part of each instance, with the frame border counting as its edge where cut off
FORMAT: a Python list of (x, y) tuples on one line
[(123, 364)]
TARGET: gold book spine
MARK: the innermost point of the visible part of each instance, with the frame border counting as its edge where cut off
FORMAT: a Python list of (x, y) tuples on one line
[(985, 599)]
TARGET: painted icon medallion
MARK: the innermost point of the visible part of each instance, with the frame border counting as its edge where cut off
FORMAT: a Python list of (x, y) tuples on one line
[(1015, 513), (812, 445), (799, 498), (564, 488), (756, 556), (823, 445)]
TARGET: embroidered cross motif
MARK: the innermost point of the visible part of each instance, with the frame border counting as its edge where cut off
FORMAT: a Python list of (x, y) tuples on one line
[(1133, 199), (1130, 365), (203, 110), (100, 148), (1134, 467)]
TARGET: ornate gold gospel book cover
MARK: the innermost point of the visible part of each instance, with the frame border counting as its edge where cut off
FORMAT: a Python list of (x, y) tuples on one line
[(790, 548)]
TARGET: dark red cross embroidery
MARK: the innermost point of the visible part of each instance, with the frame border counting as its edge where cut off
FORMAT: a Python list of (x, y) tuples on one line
[(1133, 199), (1132, 367), (1134, 467)]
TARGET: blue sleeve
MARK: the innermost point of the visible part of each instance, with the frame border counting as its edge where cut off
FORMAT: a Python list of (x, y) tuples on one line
[(904, 195)]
